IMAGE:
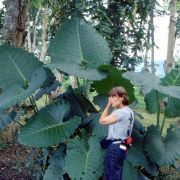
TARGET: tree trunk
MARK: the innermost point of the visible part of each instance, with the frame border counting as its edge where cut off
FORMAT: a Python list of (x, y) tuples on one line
[(35, 29), (43, 35), (147, 45), (14, 25), (29, 43), (153, 69), (10, 23), (171, 36)]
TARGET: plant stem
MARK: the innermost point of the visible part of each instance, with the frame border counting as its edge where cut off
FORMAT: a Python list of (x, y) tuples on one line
[(158, 109), (35, 103), (18, 123), (162, 126), (78, 84), (34, 109)]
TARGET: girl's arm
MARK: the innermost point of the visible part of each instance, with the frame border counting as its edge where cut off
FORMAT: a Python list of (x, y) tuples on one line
[(107, 118)]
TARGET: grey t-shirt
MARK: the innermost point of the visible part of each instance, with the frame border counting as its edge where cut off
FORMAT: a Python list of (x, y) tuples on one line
[(118, 130)]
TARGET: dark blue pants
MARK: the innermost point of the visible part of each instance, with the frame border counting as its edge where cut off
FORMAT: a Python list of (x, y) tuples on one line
[(113, 162)]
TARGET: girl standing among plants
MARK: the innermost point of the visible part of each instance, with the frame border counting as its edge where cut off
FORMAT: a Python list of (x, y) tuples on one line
[(120, 123)]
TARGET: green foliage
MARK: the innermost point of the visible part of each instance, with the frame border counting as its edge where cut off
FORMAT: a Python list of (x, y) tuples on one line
[(84, 160), (88, 50), (172, 104), (56, 164), (79, 50), (165, 89), (165, 150), (113, 79), (21, 75), (129, 171), (47, 127)]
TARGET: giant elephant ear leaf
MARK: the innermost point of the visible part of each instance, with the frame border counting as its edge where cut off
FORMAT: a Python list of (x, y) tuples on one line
[(165, 151), (79, 50), (148, 82), (129, 171), (145, 80), (172, 103), (84, 160), (56, 165), (47, 128), (21, 75), (113, 79), (151, 100)]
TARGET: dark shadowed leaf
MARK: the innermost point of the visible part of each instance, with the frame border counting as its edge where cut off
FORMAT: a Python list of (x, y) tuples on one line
[(84, 159), (100, 100), (56, 164), (165, 150), (113, 79), (75, 108), (172, 103), (49, 85), (91, 123), (129, 171), (151, 100)]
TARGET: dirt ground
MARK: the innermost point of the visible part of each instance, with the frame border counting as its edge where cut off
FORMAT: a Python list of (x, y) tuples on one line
[(18, 162)]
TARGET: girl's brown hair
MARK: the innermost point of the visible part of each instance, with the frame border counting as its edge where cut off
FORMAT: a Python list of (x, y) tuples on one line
[(121, 92)]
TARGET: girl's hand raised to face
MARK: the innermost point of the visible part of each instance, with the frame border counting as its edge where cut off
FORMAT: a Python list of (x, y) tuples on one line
[(109, 102)]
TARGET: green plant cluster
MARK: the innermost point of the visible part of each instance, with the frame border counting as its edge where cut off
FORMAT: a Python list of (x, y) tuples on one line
[(70, 124)]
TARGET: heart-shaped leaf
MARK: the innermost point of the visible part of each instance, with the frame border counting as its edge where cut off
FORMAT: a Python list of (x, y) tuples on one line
[(21, 75), (84, 160), (165, 151), (56, 164), (113, 79), (79, 50), (47, 128)]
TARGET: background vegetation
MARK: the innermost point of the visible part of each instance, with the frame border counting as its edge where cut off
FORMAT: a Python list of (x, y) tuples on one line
[(58, 61)]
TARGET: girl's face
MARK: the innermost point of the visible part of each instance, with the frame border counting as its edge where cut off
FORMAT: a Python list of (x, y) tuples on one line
[(116, 101)]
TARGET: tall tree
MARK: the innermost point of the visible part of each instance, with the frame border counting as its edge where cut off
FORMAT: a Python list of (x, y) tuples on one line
[(171, 36), (14, 25)]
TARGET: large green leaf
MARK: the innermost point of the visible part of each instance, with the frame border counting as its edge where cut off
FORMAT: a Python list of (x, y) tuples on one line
[(145, 80), (164, 151), (172, 78), (173, 104), (91, 123), (84, 160), (75, 108), (21, 75), (114, 79), (136, 154), (151, 100), (149, 82), (56, 163), (137, 157), (100, 100), (47, 128), (79, 50), (129, 171)]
